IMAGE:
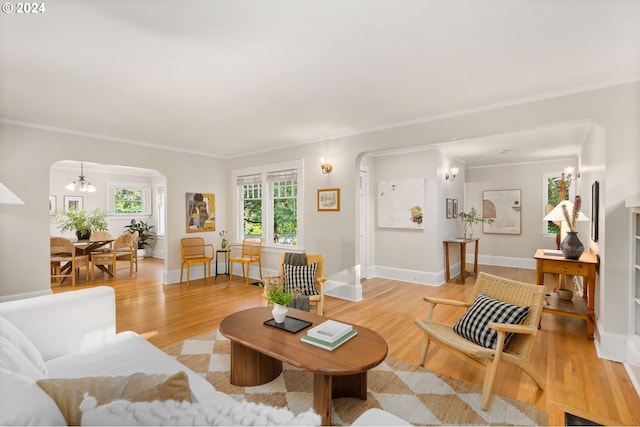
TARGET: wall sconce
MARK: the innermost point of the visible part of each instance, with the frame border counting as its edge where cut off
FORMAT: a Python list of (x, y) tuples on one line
[(571, 174), (325, 167), (451, 175)]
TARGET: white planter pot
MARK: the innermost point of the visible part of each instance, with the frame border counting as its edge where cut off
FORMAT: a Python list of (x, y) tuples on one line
[(279, 312), (142, 253)]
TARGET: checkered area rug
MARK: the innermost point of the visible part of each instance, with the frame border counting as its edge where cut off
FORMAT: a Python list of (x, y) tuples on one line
[(413, 393)]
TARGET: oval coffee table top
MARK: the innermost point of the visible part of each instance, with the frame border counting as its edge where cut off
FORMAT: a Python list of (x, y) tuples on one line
[(361, 353)]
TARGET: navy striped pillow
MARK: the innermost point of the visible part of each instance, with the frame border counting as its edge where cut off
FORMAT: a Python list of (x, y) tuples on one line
[(301, 278), (473, 325)]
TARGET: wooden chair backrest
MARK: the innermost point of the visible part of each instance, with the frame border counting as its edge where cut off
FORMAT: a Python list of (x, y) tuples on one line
[(124, 240), (311, 258), (252, 246), (102, 234), (62, 246), (192, 247)]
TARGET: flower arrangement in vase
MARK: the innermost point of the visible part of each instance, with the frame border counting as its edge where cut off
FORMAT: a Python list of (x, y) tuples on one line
[(223, 236)]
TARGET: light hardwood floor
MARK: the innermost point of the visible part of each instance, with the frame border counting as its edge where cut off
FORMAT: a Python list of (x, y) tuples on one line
[(577, 381)]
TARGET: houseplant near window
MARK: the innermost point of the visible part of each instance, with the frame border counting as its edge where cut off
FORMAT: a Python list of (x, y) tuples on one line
[(82, 222), (145, 234), (470, 218)]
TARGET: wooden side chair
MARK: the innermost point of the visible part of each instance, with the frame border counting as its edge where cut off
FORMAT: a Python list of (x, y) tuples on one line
[(64, 261), (122, 250), (316, 301), (247, 253), (195, 250), (509, 338)]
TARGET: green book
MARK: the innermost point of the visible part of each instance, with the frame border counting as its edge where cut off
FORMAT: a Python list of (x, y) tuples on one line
[(329, 345)]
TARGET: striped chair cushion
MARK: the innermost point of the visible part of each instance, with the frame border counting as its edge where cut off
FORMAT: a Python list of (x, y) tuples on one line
[(301, 278), (473, 325)]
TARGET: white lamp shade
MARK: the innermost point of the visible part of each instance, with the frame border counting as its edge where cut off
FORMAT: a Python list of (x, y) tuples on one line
[(557, 215), (7, 197)]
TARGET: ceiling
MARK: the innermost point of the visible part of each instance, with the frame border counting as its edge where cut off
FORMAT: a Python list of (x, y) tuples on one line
[(231, 77)]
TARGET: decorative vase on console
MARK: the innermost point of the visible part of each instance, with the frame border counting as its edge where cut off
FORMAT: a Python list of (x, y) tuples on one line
[(571, 245)]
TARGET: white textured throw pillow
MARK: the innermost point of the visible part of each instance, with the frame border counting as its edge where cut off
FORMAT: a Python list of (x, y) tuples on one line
[(171, 412), (12, 359), (20, 340)]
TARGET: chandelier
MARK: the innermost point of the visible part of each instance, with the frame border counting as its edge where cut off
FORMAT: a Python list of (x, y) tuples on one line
[(81, 184)]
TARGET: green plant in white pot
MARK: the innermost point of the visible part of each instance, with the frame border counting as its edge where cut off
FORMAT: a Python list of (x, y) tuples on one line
[(470, 218)]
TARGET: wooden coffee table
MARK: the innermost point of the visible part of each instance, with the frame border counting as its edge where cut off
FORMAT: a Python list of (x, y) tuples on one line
[(258, 350)]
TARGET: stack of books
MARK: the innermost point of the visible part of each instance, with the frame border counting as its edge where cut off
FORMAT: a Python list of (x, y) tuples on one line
[(329, 334)]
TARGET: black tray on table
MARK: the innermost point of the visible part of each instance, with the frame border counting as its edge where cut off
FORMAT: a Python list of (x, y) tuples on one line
[(290, 324)]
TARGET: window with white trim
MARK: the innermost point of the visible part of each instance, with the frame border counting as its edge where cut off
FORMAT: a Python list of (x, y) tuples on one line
[(127, 199), (269, 198)]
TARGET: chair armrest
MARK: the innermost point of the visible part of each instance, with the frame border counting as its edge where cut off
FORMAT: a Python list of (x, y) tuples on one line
[(445, 301), (507, 327)]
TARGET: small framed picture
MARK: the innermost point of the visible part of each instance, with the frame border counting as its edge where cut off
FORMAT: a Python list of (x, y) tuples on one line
[(449, 208), (455, 208), (72, 203), (329, 200), (52, 205)]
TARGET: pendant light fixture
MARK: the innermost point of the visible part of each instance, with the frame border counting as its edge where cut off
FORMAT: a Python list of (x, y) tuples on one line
[(81, 184)]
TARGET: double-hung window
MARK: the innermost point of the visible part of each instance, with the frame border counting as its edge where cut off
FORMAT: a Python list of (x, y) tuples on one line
[(269, 203), (128, 199)]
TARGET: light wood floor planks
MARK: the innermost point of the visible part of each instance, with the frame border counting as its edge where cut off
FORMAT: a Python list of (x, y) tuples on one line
[(576, 380)]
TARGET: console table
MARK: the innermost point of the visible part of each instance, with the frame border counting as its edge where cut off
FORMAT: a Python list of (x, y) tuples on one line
[(581, 308), (463, 252)]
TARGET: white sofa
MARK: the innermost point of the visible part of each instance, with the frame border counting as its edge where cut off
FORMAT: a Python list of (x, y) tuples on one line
[(72, 335)]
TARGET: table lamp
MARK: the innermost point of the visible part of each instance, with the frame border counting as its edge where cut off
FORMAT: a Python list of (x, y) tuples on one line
[(7, 197)]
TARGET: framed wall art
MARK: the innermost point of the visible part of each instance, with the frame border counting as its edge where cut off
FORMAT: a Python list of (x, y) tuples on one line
[(329, 200), (401, 203), (449, 208), (200, 210), (504, 207), (455, 208), (53, 202), (595, 207), (72, 203)]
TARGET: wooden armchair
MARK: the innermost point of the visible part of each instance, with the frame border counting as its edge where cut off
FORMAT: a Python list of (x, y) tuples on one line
[(121, 250), (314, 300), (517, 349), (64, 260), (247, 253), (194, 250)]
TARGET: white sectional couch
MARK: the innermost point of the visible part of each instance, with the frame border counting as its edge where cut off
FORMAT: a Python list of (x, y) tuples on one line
[(72, 335)]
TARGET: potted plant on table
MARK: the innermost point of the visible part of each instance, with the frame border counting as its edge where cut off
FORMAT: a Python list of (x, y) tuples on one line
[(145, 234), (280, 297), (470, 218), (82, 222)]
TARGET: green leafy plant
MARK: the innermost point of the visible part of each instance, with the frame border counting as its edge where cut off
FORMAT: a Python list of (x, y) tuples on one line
[(145, 232), (278, 295), (473, 217), (82, 222)]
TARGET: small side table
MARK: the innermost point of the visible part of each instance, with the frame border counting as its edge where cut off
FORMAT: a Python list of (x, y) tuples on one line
[(463, 252), (226, 261)]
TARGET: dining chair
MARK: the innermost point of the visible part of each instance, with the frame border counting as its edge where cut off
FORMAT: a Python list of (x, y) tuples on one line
[(122, 250), (195, 250), (246, 253), (500, 325), (64, 260)]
